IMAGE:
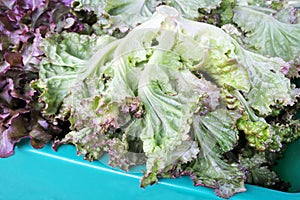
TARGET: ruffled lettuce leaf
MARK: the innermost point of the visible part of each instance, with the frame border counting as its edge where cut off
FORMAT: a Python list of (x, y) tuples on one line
[(269, 86), (216, 134), (189, 9), (288, 14), (87, 143), (20, 113), (117, 17), (257, 133), (226, 63), (113, 15), (262, 30), (165, 136), (66, 54), (258, 168), (218, 16), (285, 123), (9, 136), (220, 60)]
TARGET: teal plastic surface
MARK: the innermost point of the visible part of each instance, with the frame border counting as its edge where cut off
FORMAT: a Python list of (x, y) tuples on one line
[(44, 174), (289, 166)]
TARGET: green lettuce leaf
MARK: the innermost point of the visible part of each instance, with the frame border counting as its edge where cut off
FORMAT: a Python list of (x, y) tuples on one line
[(221, 60), (228, 64), (189, 9), (215, 133), (269, 86), (66, 55), (259, 172), (257, 132), (87, 143), (263, 30), (114, 15), (218, 16), (168, 116)]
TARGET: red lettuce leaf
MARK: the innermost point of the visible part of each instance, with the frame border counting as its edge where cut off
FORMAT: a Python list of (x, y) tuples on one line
[(23, 24)]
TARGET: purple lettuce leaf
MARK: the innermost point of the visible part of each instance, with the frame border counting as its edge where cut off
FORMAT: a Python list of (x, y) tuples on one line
[(20, 115), (10, 135), (23, 24)]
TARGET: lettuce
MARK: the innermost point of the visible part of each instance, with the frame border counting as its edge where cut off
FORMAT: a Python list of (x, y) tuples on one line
[(145, 83), (67, 53), (23, 25), (261, 39), (189, 9), (118, 17), (216, 134), (173, 94), (114, 15)]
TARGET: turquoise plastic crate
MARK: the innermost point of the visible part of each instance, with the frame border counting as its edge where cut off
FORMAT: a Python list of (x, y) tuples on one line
[(44, 174)]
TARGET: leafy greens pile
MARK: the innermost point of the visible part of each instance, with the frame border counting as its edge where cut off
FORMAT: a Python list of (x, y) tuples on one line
[(147, 83), (23, 25)]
